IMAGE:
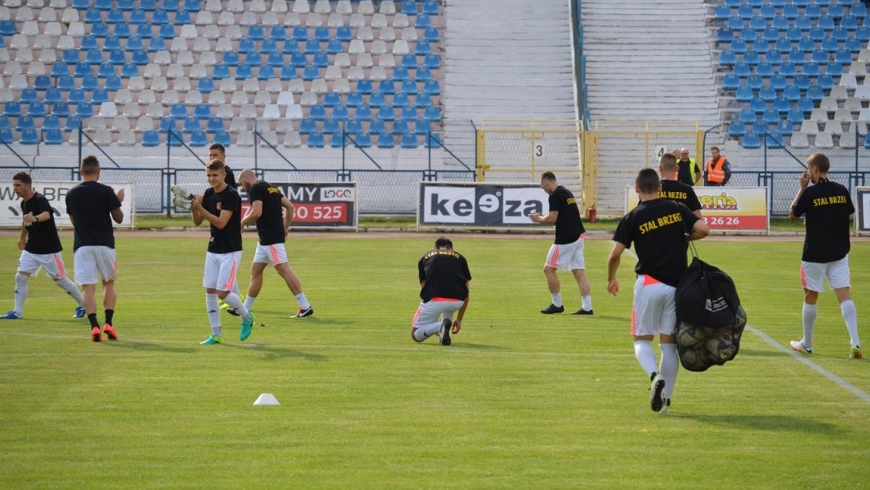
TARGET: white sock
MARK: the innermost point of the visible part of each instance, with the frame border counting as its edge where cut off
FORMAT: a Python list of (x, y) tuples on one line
[(214, 313), (71, 289), (587, 302), (809, 321), (20, 292), (249, 302), (303, 301), (850, 314), (646, 356), (557, 299), (424, 332), (669, 367), (235, 302)]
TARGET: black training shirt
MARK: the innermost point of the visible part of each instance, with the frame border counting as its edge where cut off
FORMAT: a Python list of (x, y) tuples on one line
[(90, 205), (270, 224), (680, 192), (658, 229), (569, 227), (827, 207), (446, 274), (42, 236), (229, 239)]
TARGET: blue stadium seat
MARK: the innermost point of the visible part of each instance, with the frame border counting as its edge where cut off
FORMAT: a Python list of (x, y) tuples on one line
[(757, 23), (332, 99), (139, 17), (166, 31), (409, 7), (298, 60), (12, 108), (723, 12), (353, 126), (220, 71), (275, 58), (53, 95), (409, 140), (61, 109), (175, 138), (191, 124), (387, 113), (773, 140), (423, 74), (432, 34), (729, 82), (24, 123), (409, 60), (354, 99), (29, 136), (811, 69), (788, 69), (144, 31), (340, 112), (139, 58), (321, 60), (53, 136), (399, 126), (99, 96), (111, 42), (770, 116), (6, 135), (363, 140), (423, 127), (343, 33), (826, 82), (430, 7), (277, 33), (107, 68), (168, 123), (222, 137), (338, 139), (400, 100), (364, 86), (7, 27), (307, 125), (782, 45), (840, 33), (432, 61), (736, 128), (150, 138), (51, 121), (214, 124), (178, 111), (829, 45), (785, 128), (751, 141), (288, 72), (377, 126), (256, 33), (310, 72), (385, 140), (290, 46), (834, 69), (409, 87), (230, 58), (73, 123), (316, 140), (826, 22), (790, 11), (246, 45), (312, 46), (815, 93), (754, 81), (422, 21), (409, 113), (28, 95), (253, 59), (36, 109), (422, 47), (300, 33), (778, 82), (422, 100), (791, 93), (387, 87), (744, 94), (156, 43), (400, 73), (795, 116), (764, 69), (432, 113), (202, 111), (742, 70), (377, 99), (432, 87), (805, 105), (317, 112), (816, 34), (331, 125), (747, 115), (801, 81)]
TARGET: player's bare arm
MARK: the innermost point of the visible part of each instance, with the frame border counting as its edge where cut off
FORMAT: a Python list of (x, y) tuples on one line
[(117, 213), (254, 213), (699, 230), (805, 181), (549, 218), (612, 266)]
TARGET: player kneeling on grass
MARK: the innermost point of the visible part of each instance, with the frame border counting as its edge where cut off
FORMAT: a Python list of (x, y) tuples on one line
[(659, 229), (40, 247), (444, 278)]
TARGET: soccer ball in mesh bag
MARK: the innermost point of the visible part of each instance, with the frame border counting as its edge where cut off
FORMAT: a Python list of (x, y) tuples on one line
[(689, 335), (721, 346)]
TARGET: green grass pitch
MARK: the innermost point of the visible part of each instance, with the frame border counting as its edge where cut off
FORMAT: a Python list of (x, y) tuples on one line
[(520, 400)]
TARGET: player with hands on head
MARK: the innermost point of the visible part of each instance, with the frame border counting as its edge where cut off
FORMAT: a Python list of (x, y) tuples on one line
[(660, 230), (40, 247), (444, 279)]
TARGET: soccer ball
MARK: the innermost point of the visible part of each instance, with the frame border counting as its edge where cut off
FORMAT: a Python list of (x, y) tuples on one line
[(689, 335), (721, 347)]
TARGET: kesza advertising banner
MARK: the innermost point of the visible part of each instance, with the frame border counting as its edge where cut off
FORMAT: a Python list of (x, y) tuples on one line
[(477, 204), (318, 205), (55, 192)]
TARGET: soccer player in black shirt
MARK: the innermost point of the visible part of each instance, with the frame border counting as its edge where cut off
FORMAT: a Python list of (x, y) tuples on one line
[(217, 151), (221, 206), (566, 253), (92, 207), (826, 206), (40, 247), (675, 190), (660, 230), (267, 204), (444, 278)]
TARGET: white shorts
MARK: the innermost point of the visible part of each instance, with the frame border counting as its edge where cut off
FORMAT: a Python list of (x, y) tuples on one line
[(52, 263), (567, 257), (95, 262), (430, 311), (813, 275), (220, 270), (654, 310), (273, 255)]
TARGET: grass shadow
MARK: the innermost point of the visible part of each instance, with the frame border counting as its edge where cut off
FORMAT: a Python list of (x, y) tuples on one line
[(144, 346), (273, 353), (770, 423)]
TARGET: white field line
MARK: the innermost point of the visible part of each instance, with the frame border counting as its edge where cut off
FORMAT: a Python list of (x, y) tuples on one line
[(819, 369)]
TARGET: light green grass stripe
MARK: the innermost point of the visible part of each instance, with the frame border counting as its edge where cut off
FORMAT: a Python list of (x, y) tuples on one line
[(819, 369)]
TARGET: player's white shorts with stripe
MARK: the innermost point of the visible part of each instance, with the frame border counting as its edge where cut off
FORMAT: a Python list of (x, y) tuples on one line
[(430, 311), (220, 270), (567, 257), (654, 310), (274, 254), (52, 263), (813, 275), (93, 263)]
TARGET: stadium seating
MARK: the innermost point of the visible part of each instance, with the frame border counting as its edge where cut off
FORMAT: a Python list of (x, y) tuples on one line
[(339, 59)]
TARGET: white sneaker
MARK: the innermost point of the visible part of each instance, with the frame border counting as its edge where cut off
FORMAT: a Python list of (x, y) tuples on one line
[(656, 402), (181, 192), (798, 346)]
